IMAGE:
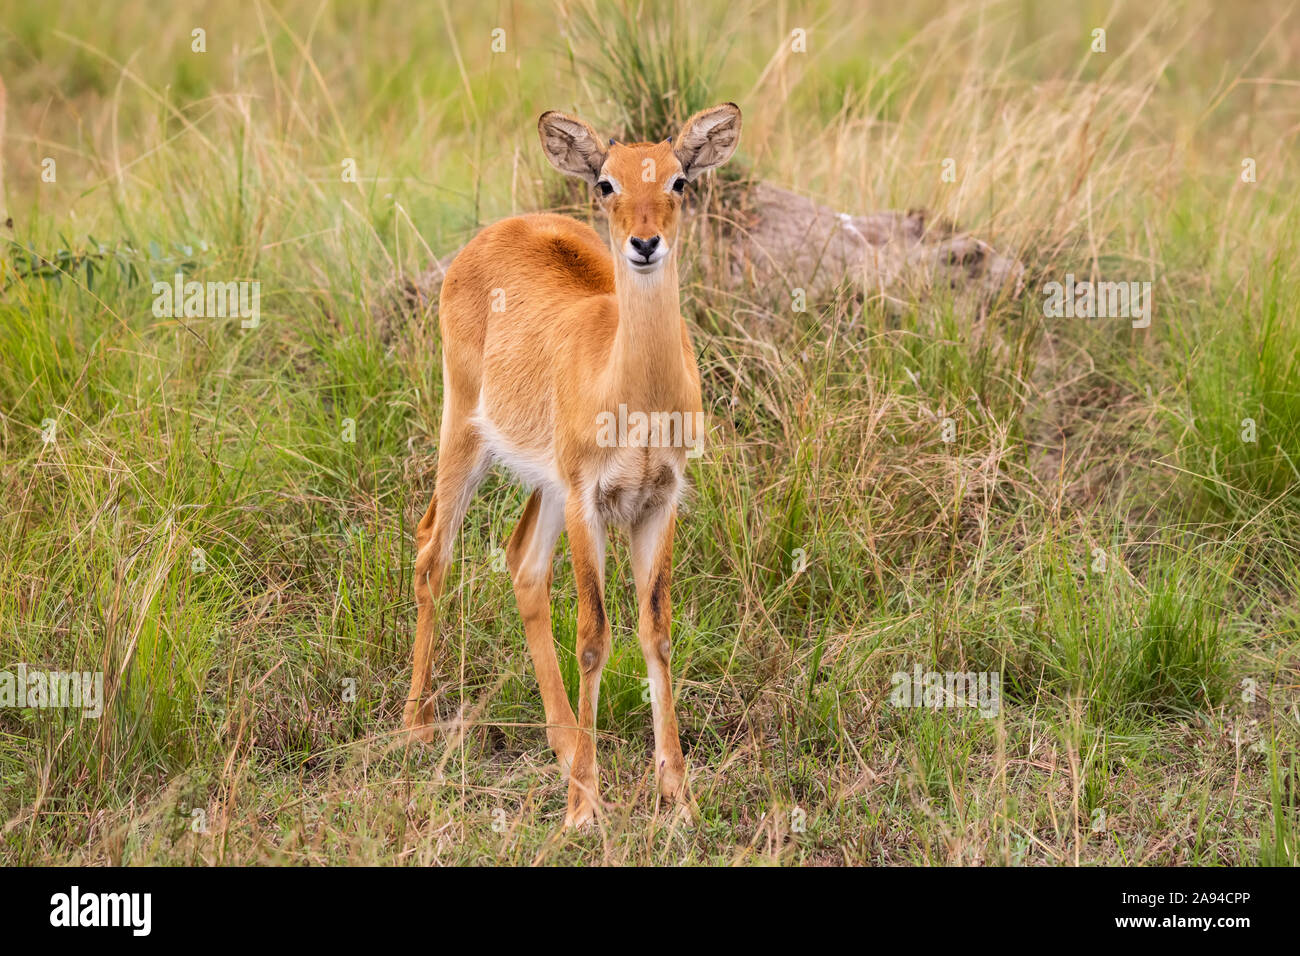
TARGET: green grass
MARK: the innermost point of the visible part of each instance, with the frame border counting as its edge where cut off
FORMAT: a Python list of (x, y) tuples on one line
[(208, 530)]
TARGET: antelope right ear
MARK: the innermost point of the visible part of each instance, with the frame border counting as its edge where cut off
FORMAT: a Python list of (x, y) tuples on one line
[(708, 139), (571, 145)]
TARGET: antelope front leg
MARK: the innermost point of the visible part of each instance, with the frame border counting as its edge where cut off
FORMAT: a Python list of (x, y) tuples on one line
[(652, 565), (529, 559), (587, 544)]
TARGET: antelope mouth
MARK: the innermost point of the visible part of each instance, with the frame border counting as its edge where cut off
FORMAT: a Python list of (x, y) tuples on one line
[(644, 266)]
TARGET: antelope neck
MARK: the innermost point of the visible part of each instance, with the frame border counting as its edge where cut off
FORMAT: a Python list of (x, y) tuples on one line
[(647, 355)]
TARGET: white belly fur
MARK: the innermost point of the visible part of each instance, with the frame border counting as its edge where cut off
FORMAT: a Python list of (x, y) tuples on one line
[(626, 486)]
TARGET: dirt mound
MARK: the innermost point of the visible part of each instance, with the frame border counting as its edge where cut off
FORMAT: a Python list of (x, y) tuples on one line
[(787, 238)]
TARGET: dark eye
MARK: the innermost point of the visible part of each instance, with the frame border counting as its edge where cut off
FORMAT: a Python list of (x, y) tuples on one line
[(680, 185), (606, 187)]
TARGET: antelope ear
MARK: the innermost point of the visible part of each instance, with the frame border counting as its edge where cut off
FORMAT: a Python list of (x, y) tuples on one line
[(571, 145), (708, 139)]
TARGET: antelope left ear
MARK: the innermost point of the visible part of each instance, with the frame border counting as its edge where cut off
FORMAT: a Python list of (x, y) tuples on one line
[(708, 139), (571, 145)]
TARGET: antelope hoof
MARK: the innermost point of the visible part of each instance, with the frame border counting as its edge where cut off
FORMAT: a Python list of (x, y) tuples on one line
[(580, 817), (416, 721), (582, 804), (672, 778)]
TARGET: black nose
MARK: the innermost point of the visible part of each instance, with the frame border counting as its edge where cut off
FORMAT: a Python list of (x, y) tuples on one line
[(645, 247)]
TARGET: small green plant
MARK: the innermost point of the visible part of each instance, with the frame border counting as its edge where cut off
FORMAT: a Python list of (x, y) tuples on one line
[(1131, 653), (1243, 431)]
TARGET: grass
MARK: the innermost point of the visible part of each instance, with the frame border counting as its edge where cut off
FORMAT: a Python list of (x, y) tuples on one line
[(222, 520)]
